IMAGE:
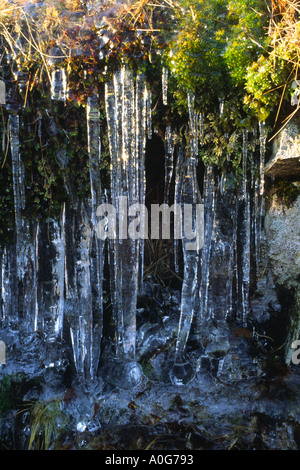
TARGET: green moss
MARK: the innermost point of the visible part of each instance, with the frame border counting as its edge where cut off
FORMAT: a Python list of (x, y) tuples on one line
[(217, 42), (10, 387), (286, 191)]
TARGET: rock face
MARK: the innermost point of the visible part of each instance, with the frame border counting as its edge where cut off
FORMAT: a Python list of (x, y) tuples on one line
[(282, 233), (286, 152), (282, 228)]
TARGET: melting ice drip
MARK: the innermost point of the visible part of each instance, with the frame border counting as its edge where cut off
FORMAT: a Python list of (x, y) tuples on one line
[(59, 85), (245, 234), (94, 150), (127, 103), (54, 271), (79, 300), (97, 251), (231, 227), (76, 267), (85, 261), (25, 236), (9, 302), (193, 121), (170, 138), (165, 83), (259, 190), (187, 192), (209, 205), (50, 251)]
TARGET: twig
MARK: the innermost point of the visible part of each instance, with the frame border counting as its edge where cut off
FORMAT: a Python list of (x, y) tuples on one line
[(7, 136), (286, 121)]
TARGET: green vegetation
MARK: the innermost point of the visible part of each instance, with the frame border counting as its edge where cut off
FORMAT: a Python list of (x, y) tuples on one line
[(47, 422), (45, 419), (286, 191), (10, 387), (245, 48), (216, 44)]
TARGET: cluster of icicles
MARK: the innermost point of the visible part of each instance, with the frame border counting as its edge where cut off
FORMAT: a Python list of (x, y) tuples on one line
[(55, 269)]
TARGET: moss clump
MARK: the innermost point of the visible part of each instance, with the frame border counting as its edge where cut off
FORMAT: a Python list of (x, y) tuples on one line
[(11, 392), (286, 191)]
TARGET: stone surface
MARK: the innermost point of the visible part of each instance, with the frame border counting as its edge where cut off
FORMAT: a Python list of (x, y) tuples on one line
[(286, 152), (282, 225), (282, 231)]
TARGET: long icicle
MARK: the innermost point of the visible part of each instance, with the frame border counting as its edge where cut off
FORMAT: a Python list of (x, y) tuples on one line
[(246, 233), (24, 235), (260, 188), (97, 244), (126, 118), (169, 161)]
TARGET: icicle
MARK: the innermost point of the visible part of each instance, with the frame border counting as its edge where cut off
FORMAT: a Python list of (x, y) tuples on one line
[(244, 163), (84, 277), (140, 136), (24, 234), (209, 206), (177, 201), (164, 79), (50, 238), (36, 270), (189, 196), (17, 170), (169, 161), (221, 106), (191, 104), (193, 123), (94, 150), (58, 275), (148, 94), (8, 282), (142, 129), (111, 117), (259, 191), (5, 285), (244, 284), (201, 128), (85, 335), (97, 245), (113, 105), (229, 281), (59, 85), (262, 149), (126, 119)]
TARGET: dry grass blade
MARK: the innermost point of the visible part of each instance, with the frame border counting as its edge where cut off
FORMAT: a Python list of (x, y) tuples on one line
[(284, 31), (46, 420)]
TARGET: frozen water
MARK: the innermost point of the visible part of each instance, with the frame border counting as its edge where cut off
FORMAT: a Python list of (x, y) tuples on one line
[(126, 110), (59, 85), (52, 275), (165, 83), (169, 160)]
